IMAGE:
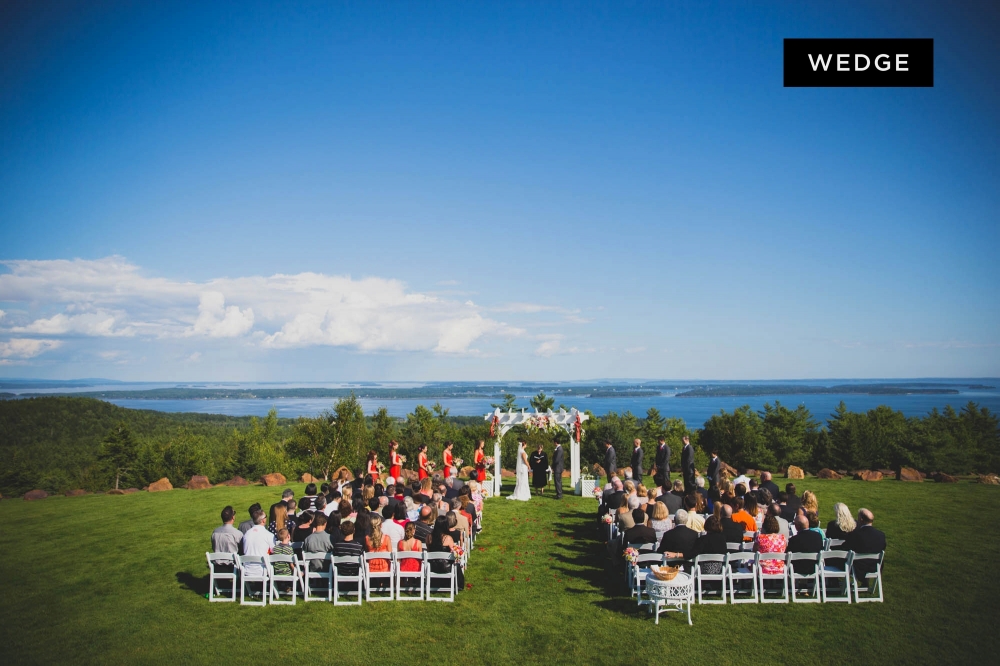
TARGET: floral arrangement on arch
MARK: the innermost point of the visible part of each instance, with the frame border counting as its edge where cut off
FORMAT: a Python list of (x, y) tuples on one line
[(541, 423), (631, 555)]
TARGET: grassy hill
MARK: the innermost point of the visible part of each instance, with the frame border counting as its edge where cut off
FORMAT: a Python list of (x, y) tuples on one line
[(106, 579)]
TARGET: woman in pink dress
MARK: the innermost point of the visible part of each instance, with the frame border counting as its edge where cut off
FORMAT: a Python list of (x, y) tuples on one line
[(769, 541)]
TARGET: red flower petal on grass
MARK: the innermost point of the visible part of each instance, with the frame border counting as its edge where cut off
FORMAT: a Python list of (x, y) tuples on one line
[(513, 578), (468, 586), (528, 579)]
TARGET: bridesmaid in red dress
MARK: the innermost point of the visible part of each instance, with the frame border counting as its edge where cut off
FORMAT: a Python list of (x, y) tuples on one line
[(422, 462), (395, 460), (449, 459), (478, 459), (371, 467)]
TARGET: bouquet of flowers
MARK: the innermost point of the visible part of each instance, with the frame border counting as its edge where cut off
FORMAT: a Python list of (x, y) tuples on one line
[(631, 555), (607, 519), (381, 468), (457, 550), (431, 465), (598, 492), (402, 459), (458, 462), (488, 461)]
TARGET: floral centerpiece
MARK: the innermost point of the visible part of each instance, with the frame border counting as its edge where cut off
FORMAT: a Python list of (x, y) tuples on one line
[(631, 555), (607, 519)]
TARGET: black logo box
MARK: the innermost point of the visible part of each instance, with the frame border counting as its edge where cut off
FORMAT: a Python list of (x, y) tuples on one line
[(859, 63)]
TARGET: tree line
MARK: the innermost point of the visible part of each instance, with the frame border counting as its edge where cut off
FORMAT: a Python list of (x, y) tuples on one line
[(62, 443)]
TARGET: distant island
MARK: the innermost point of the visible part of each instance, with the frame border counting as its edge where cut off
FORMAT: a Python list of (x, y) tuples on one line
[(750, 390), (624, 393)]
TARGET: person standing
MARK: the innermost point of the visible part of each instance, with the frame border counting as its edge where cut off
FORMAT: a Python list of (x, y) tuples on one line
[(661, 464), (539, 469), (422, 472), (713, 471), (558, 464), (395, 460), (449, 459), (636, 462), (687, 465), (371, 465), (610, 460), (479, 460)]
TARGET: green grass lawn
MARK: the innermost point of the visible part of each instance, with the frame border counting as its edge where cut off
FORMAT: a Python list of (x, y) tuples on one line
[(121, 579)]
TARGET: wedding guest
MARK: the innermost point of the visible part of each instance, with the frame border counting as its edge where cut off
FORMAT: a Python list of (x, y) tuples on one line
[(378, 543), (768, 485), (812, 519), (410, 544), (842, 525), (425, 525), (390, 527), (775, 511), (476, 494), (257, 541), (741, 516), (805, 541), (226, 538), (349, 547), (865, 539), (362, 525), (791, 499), (809, 502), (304, 527), (288, 494), (640, 533), (770, 541), (672, 501), (695, 521), (624, 517), (713, 542), (681, 540), (442, 541), (753, 510), (732, 530), (310, 495), (247, 525), (333, 527), (659, 520), (280, 519), (283, 547), (318, 542), (346, 511)]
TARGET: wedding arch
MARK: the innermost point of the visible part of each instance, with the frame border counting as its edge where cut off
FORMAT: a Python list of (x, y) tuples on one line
[(571, 422)]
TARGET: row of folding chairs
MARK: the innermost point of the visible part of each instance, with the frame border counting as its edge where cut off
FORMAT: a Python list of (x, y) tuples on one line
[(319, 577), (829, 576)]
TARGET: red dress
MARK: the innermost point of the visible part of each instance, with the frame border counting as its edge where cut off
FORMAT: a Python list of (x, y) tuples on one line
[(409, 564), (480, 466), (396, 468), (421, 463), (373, 469), (449, 460), (379, 565)]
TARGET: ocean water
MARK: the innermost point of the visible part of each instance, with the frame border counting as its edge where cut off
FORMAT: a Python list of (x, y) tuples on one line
[(694, 411)]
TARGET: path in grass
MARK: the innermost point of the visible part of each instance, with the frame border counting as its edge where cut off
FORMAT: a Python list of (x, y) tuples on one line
[(105, 579)]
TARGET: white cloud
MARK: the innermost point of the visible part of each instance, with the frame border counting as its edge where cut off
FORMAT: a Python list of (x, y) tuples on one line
[(22, 348), (195, 357), (217, 321), (634, 350), (90, 323)]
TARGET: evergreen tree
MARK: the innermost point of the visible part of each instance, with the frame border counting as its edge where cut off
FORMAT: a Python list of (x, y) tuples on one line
[(119, 451)]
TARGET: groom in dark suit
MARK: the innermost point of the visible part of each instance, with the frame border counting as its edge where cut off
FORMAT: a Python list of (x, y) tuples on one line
[(636, 461), (558, 464), (610, 459)]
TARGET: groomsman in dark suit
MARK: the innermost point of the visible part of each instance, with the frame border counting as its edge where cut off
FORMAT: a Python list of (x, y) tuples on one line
[(713, 471), (558, 464), (687, 466), (661, 464), (636, 461), (610, 459)]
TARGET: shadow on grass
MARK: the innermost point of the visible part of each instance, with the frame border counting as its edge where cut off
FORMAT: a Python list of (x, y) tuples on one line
[(590, 555), (197, 584)]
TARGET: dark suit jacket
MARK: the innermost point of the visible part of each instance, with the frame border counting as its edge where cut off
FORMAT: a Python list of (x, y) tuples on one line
[(772, 488), (788, 512), (610, 461), (732, 530), (558, 460), (687, 463), (795, 502), (681, 539), (672, 501), (865, 540), (806, 541), (636, 463), (711, 543), (639, 534), (662, 459), (713, 472), (833, 531)]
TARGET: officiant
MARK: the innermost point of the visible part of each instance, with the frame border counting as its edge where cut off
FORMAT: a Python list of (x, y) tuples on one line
[(539, 462)]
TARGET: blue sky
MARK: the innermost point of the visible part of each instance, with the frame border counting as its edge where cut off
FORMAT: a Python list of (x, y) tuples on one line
[(326, 191)]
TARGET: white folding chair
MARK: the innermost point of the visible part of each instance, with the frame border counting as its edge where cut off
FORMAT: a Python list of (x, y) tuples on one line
[(872, 581), (433, 579), (253, 569), (701, 577), (748, 545), (782, 577), (834, 544), (645, 547), (836, 567), (387, 576), (322, 572), (810, 580), (734, 546), (411, 576), (292, 578), (640, 570), (341, 580), (742, 577), (227, 560)]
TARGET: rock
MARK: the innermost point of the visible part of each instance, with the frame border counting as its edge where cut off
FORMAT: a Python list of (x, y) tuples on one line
[(198, 483), (989, 479), (599, 472), (908, 474), (794, 472), (842, 472), (235, 481), (32, 495), (342, 474), (749, 472), (116, 491), (507, 474), (76, 493), (468, 471), (941, 477), (130, 491), (308, 478), (411, 475), (161, 485), (887, 472), (566, 474), (273, 479), (827, 473), (868, 475), (728, 469)]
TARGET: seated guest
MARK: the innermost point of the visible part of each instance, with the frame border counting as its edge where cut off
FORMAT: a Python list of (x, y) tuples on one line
[(767, 484), (672, 501), (257, 541), (305, 504), (425, 525), (786, 512), (809, 502), (640, 533), (283, 547), (455, 533), (791, 499), (775, 511), (650, 504), (450, 491), (410, 544), (324, 489), (842, 525), (678, 488), (391, 528), (321, 506), (476, 493), (333, 527), (362, 526), (713, 542), (660, 520), (463, 509), (280, 519), (680, 541), (865, 539), (695, 521), (412, 509), (732, 530), (311, 495), (643, 494), (753, 488), (378, 542), (318, 542), (304, 527), (633, 502), (443, 542), (226, 538), (349, 547), (400, 516), (624, 518), (246, 525), (813, 519), (764, 499), (346, 511), (288, 494), (375, 505), (741, 516), (770, 541), (754, 510), (805, 541)]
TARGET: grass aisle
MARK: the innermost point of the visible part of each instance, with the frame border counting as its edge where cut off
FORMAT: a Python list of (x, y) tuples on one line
[(104, 579)]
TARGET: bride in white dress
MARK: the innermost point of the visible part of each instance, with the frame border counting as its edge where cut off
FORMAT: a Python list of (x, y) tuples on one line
[(521, 491)]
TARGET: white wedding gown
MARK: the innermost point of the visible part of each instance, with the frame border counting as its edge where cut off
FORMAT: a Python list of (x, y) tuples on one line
[(521, 491)]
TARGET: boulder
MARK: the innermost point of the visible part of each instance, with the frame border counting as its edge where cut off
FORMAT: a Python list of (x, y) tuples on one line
[(308, 478), (198, 483), (941, 477), (32, 495), (507, 474), (161, 485), (749, 473), (599, 471), (827, 473), (908, 474), (235, 481), (794, 472), (728, 469), (566, 474), (76, 493), (130, 491), (411, 475), (468, 471), (342, 474), (116, 491), (868, 475), (887, 472), (273, 479), (989, 479)]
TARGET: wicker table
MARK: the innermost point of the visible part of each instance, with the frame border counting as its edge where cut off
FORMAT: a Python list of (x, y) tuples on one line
[(670, 595)]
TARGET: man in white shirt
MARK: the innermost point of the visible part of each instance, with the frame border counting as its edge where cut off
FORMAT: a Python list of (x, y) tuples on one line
[(257, 541), (391, 528)]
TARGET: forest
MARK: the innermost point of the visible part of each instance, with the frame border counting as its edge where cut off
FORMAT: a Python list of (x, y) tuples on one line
[(64, 443)]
